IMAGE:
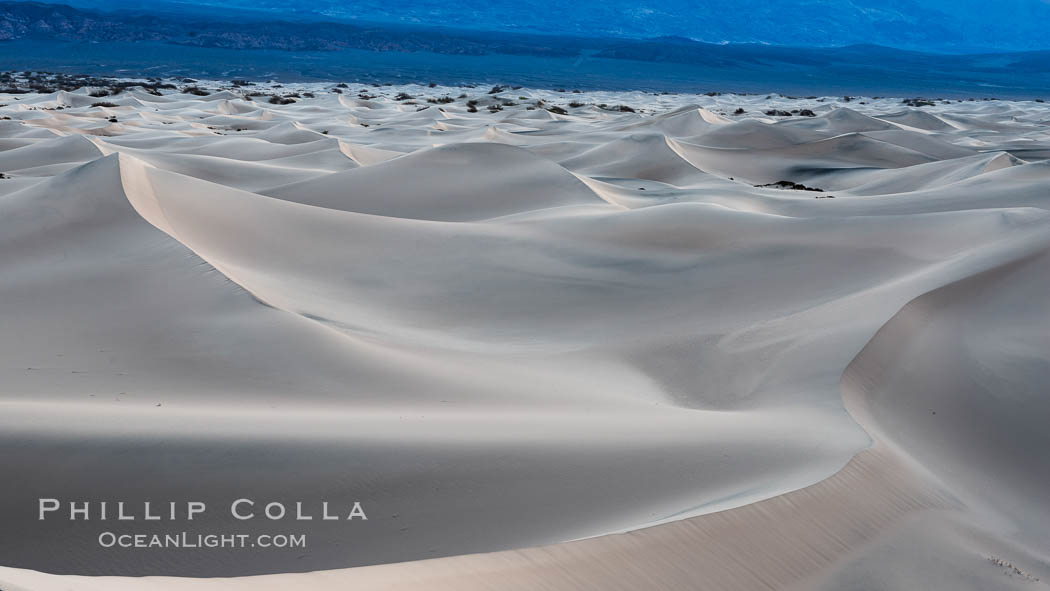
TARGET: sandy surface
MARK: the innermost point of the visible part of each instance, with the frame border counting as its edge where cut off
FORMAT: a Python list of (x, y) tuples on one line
[(503, 331)]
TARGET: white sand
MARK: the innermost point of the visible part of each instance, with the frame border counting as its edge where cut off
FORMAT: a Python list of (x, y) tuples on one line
[(505, 331)]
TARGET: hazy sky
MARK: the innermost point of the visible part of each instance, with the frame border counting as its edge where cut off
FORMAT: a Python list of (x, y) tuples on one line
[(943, 25)]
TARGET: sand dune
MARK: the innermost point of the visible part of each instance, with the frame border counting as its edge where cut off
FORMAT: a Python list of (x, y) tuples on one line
[(545, 350)]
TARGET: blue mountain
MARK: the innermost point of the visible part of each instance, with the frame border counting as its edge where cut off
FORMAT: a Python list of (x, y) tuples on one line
[(930, 25)]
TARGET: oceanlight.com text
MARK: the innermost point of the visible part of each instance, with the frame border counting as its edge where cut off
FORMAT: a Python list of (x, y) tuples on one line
[(188, 540)]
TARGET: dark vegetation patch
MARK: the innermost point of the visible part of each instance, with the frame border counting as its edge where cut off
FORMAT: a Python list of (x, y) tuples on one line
[(918, 102), (49, 82), (790, 186)]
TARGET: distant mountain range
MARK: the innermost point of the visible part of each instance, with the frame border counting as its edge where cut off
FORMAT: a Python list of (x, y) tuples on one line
[(39, 21), (929, 25), (158, 41), (32, 20)]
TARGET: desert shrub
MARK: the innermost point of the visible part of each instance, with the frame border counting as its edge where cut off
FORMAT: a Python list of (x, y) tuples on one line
[(106, 104), (444, 100), (918, 102), (342, 85), (790, 185), (496, 90), (777, 113), (98, 93), (807, 113), (623, 109), (576, 104), (557, 110), (280, 100), (194, 90), (739, 111), (495, 108), (403, 96)]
